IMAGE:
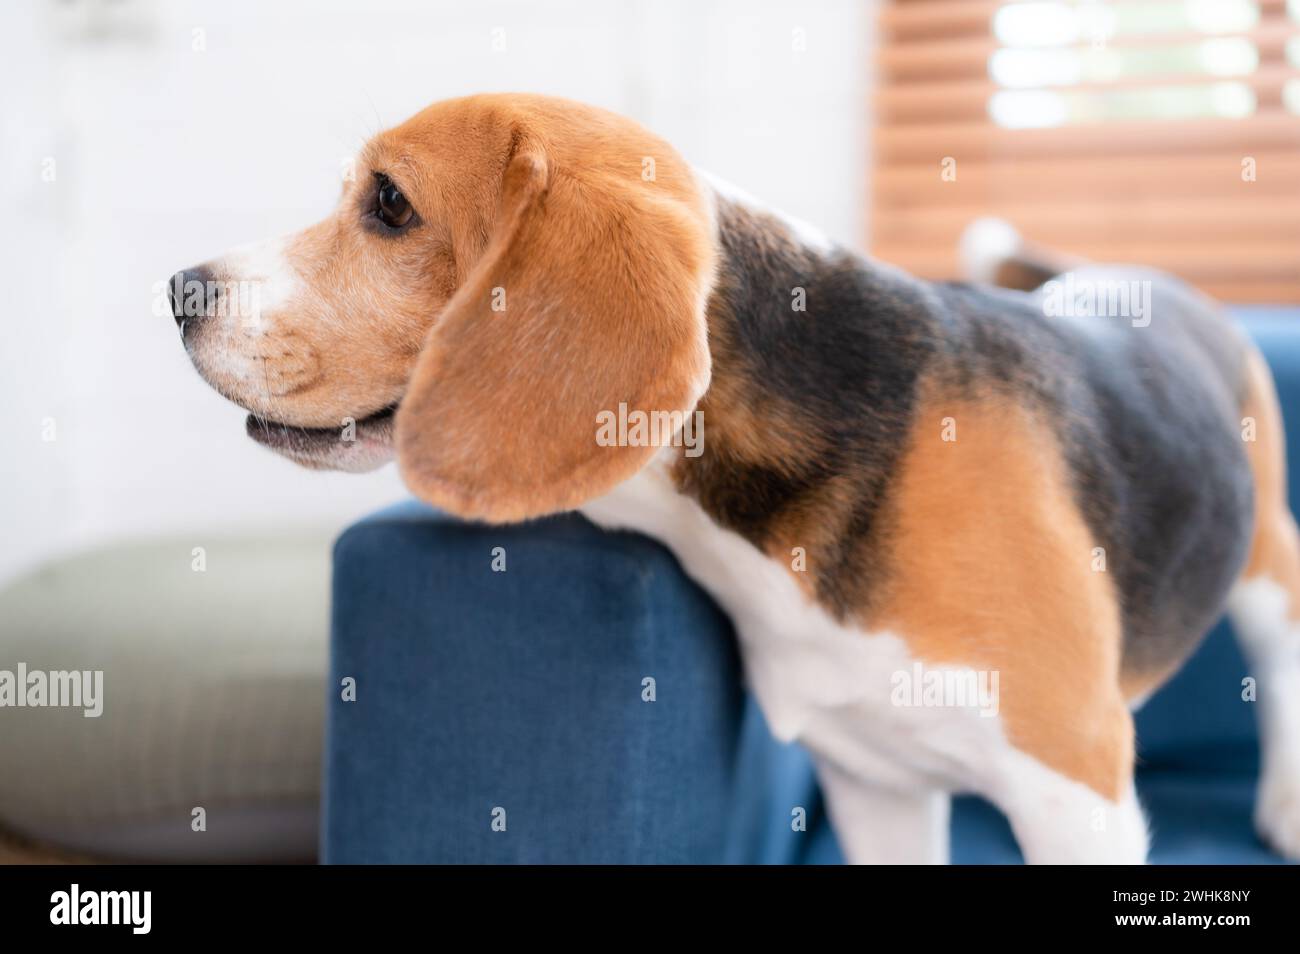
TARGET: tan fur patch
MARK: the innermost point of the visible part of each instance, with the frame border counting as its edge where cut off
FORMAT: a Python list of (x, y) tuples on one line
[(1020, 274), (1274, 550), (992, 571)]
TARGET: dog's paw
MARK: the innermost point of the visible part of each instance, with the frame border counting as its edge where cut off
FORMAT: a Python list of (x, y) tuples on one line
[(1277, 812)]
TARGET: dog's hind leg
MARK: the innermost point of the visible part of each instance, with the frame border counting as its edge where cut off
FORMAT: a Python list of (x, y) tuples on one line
[(1265, 612), (1058, 820)]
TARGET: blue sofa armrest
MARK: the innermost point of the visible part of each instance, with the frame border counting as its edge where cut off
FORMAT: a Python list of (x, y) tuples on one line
[(520, 697)]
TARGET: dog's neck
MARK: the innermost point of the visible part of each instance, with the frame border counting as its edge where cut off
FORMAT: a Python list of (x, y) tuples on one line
[(816, 354)]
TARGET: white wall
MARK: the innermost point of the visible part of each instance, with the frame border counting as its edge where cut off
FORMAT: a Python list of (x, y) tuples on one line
[(164, 155)]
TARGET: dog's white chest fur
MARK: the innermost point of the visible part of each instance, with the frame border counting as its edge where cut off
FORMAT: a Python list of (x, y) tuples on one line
[(882, 761), (841, 691)]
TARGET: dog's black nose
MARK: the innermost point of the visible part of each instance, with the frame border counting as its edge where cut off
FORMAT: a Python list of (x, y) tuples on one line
[(193, 294)]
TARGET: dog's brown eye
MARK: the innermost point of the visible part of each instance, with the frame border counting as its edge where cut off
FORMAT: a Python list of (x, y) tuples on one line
[(394, 211)]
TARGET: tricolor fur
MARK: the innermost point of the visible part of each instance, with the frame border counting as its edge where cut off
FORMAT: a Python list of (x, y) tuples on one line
[(896, 477)]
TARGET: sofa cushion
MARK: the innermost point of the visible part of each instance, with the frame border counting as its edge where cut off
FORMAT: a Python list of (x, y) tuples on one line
[(213, 674)]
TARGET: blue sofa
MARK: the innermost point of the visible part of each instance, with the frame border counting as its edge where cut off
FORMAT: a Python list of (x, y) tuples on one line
[(506, 716)]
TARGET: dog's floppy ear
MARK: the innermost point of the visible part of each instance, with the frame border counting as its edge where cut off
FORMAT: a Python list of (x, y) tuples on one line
[(589, 296)]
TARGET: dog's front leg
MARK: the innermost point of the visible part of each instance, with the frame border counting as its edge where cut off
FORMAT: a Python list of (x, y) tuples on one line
[(879, 825)]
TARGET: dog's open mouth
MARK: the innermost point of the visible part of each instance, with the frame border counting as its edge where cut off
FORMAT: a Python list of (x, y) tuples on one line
[(356, 445)]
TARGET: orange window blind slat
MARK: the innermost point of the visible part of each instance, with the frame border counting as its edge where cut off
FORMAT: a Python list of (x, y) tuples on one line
[(1148, 146)]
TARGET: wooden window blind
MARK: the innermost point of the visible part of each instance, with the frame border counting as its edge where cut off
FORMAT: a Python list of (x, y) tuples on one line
[(1162, 132)]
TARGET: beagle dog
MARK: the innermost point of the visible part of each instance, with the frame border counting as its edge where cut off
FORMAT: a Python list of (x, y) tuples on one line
[(907, 494)]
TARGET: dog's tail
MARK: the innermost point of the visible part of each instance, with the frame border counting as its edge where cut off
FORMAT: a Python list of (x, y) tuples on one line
[(994, 253)]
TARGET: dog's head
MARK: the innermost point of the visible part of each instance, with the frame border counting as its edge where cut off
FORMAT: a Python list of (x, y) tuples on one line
[(500, 271)]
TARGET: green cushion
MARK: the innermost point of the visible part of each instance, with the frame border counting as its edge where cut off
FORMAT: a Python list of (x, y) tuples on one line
[(213, 679)]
